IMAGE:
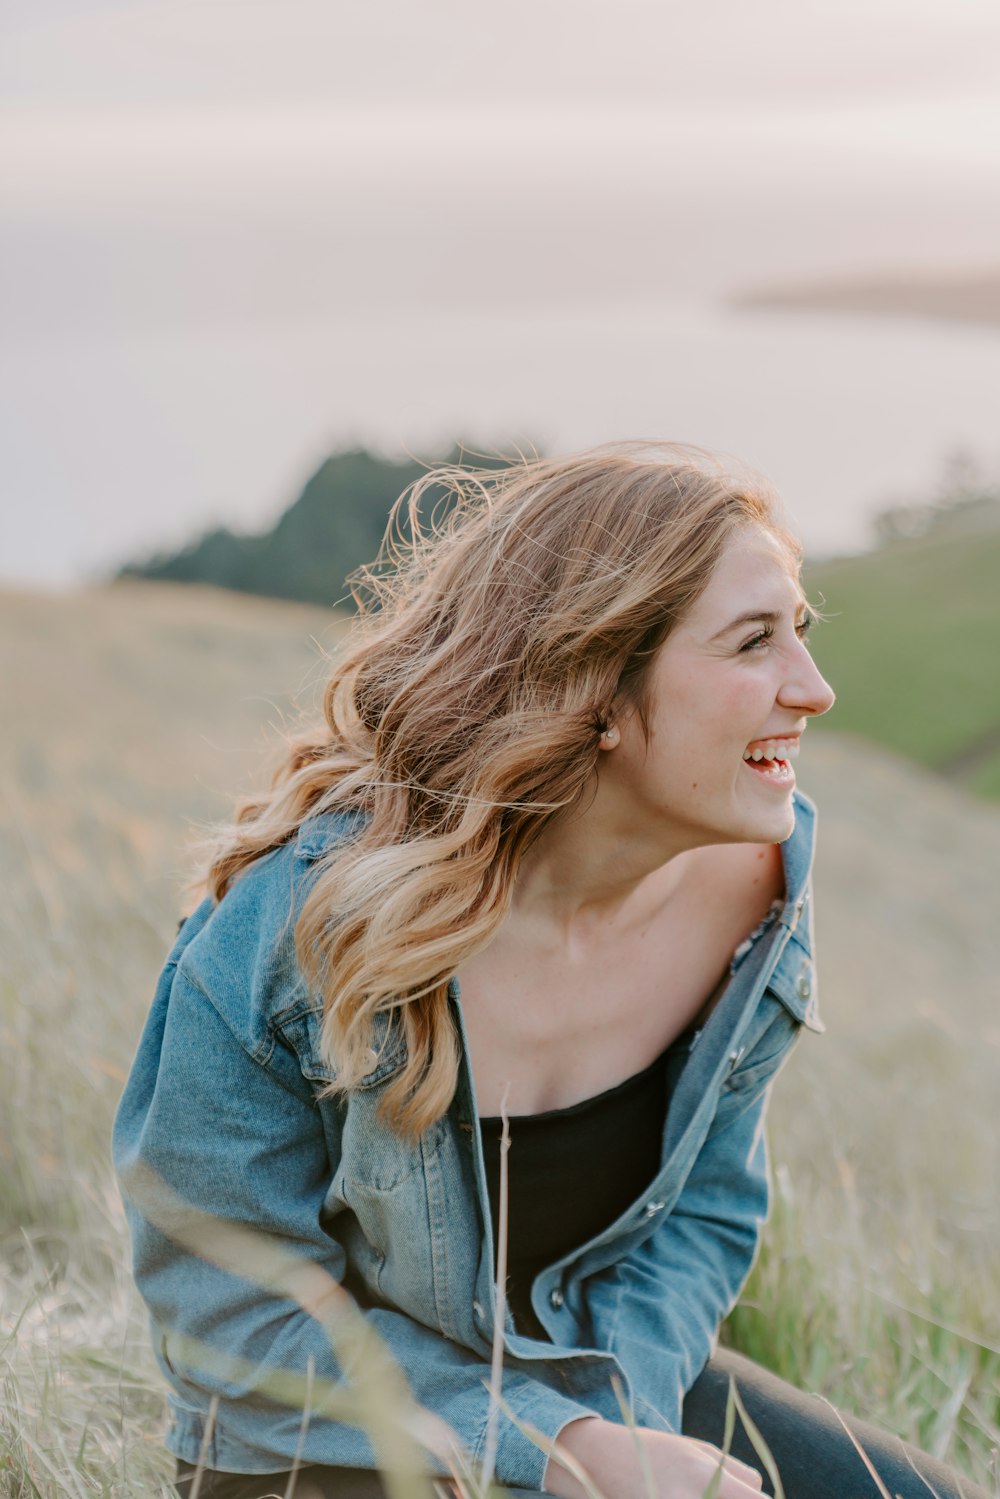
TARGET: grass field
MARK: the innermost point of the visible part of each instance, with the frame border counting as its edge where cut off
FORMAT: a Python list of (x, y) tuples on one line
[(133, 713), (912, 647)]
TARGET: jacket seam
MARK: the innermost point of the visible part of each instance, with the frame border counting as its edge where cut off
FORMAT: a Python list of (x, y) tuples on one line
[(262, 1054)]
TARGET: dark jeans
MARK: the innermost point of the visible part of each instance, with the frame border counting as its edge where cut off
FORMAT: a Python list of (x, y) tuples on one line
[(815, 1456)]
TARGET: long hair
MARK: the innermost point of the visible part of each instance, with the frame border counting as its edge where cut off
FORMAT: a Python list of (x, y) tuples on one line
[(466, 713)]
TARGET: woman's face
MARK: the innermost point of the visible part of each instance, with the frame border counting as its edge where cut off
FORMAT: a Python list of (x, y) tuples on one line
[(729, 695)]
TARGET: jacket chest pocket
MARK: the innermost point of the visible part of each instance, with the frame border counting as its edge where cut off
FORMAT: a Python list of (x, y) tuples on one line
[(398, 1225), (761, 1053), (793, 983), (376, 1158), (788, 1005), (371, 1155), (377, 1201)]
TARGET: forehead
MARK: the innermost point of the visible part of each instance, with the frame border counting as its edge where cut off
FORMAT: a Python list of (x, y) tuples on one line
[(757, 570)]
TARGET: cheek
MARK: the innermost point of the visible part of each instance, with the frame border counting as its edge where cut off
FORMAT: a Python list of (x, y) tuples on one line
[(714, 711), (742, 702)]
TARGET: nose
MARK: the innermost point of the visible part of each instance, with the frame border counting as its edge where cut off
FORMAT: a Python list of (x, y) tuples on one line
[(805, 689)]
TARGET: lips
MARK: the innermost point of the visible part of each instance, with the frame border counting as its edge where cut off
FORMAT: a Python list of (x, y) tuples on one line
[(770, 761)]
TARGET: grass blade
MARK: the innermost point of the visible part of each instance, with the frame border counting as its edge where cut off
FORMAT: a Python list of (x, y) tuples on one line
[(859, 1449), (552, 1449), (758, 1443), (628, 1420), (499, 1308)]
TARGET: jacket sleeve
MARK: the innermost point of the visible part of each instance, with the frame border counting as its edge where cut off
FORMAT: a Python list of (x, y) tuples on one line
[(210, 1137), (659, 1309)]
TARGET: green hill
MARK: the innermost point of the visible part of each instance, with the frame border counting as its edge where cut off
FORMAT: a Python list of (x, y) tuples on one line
[(336, 524), (912, 645)]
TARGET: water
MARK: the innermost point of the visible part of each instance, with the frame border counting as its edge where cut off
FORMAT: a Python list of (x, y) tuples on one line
[(200, 307), (121, 443)]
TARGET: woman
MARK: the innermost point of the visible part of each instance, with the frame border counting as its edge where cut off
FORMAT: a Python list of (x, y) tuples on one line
[(544, 861)]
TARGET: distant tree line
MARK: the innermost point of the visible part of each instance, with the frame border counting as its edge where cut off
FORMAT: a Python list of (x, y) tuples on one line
[(336, 525), (338, 521), (965, 500)]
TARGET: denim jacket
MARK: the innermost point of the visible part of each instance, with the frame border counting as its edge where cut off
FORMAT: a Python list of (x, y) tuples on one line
[(223, 1104)]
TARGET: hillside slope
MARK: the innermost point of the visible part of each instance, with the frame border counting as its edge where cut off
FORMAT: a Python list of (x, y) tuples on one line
[(134, 713), (139, 711), (334, 526), (912, 637), (912, 642)]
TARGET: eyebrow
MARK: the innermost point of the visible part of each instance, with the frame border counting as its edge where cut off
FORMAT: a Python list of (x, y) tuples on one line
[(759, 616)]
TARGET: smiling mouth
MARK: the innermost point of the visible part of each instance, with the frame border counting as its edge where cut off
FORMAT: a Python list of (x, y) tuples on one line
[(770, 760)]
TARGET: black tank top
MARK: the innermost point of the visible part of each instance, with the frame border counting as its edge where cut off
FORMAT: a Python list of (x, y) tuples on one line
[(571, 1172)]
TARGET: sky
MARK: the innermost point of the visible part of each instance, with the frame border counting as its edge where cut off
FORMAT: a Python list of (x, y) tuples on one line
[(237, 233), (148, 54)]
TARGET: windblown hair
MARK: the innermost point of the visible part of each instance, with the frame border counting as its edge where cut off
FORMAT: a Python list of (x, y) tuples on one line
[(466, 713)]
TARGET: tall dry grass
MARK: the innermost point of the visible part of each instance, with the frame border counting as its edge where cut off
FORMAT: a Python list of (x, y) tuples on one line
[(132, 711)]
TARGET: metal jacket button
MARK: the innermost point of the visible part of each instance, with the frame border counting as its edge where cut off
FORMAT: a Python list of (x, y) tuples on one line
[(804, 982), (556, 1298), (652, 1208)]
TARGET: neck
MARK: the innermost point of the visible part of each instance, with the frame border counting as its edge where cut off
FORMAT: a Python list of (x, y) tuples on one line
[(591, 864)]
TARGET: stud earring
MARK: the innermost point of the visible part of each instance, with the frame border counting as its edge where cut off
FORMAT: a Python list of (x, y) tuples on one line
[(610, 737)]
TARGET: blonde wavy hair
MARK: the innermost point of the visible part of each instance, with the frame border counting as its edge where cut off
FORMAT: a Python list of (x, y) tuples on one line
[(465, 714)]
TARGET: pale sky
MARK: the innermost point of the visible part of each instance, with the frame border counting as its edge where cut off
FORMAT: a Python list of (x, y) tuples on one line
[(261, 53), (238, 232)]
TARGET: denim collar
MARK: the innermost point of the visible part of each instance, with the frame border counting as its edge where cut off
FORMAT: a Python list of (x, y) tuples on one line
[(320, 835)]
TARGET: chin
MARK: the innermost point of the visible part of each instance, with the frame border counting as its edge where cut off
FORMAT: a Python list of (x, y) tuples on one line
[(736, 821), (773, 826), (780, 826)]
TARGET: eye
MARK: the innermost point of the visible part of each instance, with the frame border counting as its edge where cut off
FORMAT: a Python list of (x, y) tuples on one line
[(804, 625), (759, 641)]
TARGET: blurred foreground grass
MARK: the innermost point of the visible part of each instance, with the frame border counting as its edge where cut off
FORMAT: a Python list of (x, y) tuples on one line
[(135, 709)]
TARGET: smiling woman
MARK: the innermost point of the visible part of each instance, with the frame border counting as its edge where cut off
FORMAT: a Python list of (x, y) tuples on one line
[(726, 692), (541, 873)]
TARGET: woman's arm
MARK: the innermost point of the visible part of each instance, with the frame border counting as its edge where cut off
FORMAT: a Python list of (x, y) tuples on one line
[(214, 1145)]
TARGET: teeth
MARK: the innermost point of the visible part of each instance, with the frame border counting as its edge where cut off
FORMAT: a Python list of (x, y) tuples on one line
[(773, 749), (779, 771)]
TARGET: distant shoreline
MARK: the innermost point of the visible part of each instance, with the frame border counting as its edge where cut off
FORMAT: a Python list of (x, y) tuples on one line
[(965, 299)]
